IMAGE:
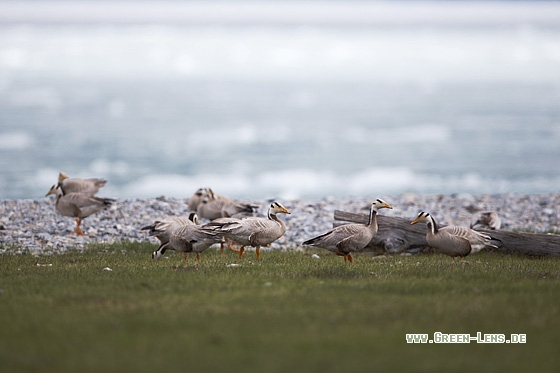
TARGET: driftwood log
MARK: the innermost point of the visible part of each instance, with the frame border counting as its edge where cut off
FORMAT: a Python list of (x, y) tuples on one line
[(397, 235)]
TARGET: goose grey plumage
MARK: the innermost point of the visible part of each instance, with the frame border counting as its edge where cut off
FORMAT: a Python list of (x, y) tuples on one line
[(252, 231), (163, 228), (348, 238), (453, 240), (188, 238), (226, 241), (196, 198), (213, 206), (75, 185), (486, 219), (78, 205)]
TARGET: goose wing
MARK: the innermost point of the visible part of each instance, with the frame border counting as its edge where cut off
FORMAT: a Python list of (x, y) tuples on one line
[(162, 229), (250, 231), (210, 209), (476, 239), (357, 241), (191, 237), (88, 186), (450, 243), (341, 235), (67, 207), (234, 208), (265, 231), (86, 204), (253, 229)]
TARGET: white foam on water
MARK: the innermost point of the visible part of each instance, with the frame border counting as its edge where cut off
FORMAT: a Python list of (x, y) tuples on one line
[(307, 183), (180, 186), (420, 133)]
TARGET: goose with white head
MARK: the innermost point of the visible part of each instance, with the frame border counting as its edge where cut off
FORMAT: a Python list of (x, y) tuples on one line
[(348, 238), (252, 231), (453, 240)]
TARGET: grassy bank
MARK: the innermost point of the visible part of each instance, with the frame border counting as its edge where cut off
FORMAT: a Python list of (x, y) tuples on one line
[(286, 312)]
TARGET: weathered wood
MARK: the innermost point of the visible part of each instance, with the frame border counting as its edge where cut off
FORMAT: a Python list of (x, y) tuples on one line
[(396, 235)]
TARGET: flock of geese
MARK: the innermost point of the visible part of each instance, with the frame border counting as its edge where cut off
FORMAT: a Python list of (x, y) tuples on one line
[(235, 223)]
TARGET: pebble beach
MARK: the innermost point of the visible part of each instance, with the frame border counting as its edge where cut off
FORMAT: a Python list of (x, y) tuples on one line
[(34, 226)]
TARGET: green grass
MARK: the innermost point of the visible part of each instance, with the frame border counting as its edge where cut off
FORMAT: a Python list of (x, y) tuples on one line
[(286, 312)]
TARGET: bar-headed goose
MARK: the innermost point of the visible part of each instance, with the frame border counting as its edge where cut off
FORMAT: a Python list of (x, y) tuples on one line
[(196, 198), (213, 206), (78, 205), (163, 228), (252, 231), (486, 220), (188, 238), (75, 185), (348, 238), (453, 240)]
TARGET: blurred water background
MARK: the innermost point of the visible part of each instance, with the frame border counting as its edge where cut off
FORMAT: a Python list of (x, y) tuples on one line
[(288, 99)]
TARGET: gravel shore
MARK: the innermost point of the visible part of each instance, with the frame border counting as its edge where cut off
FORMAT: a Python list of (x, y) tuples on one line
[(34, 226)]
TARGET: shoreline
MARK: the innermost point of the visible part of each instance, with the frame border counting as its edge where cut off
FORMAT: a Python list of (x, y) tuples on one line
[(33, 225)]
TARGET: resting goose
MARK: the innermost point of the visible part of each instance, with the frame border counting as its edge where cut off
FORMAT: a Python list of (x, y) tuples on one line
[(75, 185), (453, 240), (252, 231), (348, 238), (78, 205), (487, 220), (213, 206), (188, 238), (196, 198)]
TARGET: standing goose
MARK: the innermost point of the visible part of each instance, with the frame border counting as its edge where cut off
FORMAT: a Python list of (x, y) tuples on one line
[(348, 238), (75, 185), (487, 220), (252, 231), (162, 229), (188, 238), (78, 205), (453, 240)]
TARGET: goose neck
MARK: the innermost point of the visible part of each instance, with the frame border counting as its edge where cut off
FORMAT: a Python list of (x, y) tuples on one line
[(432, 225), (372, 220)]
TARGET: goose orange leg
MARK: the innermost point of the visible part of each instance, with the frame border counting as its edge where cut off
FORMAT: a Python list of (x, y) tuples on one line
[(230, 246), (78, 230)]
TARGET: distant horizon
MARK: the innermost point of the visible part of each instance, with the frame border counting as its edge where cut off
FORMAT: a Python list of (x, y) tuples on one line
[(281, 99)]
